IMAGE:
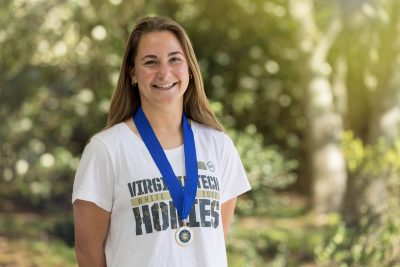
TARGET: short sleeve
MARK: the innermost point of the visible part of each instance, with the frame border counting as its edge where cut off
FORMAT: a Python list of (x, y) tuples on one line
[(234, 180), (94, 179)]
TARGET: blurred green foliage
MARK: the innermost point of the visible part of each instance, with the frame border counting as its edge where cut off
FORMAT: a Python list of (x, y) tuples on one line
[(267, 169), (58, 66), (56, 89), (371, 242), (372, 161), (30, 240)]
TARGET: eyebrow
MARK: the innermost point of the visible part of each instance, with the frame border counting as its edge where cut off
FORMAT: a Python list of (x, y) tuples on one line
[(170, 54)]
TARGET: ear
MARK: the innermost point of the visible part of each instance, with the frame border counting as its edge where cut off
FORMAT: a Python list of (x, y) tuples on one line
[(132, 75)]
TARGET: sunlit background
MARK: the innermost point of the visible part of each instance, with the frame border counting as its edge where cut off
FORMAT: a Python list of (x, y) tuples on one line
[(308, 90)]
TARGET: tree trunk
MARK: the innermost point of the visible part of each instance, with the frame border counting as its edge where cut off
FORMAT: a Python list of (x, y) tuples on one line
[(370, 196), (327, 164)]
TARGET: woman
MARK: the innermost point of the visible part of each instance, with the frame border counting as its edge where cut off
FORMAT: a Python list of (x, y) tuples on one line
[(159, 185)]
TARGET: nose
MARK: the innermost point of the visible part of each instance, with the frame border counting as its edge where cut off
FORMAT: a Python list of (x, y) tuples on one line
[(163, 71)]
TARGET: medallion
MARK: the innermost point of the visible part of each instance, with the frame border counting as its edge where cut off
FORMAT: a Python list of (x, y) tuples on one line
[(184, 235)]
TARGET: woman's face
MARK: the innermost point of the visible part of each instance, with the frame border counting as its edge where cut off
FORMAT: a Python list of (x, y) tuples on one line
[(161, 69)]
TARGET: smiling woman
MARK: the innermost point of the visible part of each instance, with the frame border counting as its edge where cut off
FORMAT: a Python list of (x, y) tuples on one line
[(159, 185)]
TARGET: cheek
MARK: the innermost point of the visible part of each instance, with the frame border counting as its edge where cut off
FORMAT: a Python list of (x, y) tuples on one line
[(182, 70), (144, 74)]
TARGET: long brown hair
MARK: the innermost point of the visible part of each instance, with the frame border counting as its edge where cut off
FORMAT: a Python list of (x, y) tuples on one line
[(126, 98)]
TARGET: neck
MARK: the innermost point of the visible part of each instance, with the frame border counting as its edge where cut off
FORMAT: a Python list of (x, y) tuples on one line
[(166, 123), (165, 119)]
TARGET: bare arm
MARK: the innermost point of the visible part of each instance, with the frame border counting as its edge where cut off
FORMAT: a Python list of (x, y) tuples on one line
[(91, 228), (227, 210)]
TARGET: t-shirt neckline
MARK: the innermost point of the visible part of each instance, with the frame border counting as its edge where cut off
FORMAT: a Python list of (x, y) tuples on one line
[(170, 152)]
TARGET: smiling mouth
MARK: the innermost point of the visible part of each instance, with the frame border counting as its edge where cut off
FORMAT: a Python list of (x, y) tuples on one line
[(164, 86)]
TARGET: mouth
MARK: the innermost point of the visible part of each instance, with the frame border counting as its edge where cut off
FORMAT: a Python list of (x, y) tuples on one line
[(165, 86)]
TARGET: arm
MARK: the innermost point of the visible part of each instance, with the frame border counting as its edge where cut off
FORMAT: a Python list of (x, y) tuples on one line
[(227, 210), (91, 228)]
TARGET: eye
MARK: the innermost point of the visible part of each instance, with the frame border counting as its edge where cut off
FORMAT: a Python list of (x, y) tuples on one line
[(175, 59), (150, 62)]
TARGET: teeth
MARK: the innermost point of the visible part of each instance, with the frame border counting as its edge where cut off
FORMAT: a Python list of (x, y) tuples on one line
[(164, 85)]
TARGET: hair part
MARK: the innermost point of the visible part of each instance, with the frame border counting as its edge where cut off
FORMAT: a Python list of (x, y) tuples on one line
[(126, 99)]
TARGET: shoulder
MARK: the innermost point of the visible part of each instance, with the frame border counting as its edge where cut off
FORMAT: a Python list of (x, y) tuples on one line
[(110, 136), (211, 136), (205, 131)]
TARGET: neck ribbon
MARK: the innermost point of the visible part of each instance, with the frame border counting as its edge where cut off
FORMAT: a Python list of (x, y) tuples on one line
[(182, 197)]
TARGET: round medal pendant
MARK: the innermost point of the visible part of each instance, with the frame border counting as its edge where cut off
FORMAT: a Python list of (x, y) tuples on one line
[(184, 236)]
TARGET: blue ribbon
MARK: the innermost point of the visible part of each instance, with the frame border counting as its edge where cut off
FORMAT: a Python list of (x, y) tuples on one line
[(183, 198)]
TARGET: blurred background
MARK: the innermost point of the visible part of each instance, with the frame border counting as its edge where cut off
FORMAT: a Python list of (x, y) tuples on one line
[(308, 90)]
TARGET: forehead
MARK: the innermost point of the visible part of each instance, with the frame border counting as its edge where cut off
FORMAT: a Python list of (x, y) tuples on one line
[(156, 43)]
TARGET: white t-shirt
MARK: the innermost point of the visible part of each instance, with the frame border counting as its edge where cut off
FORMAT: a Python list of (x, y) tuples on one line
[(117, 173)]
